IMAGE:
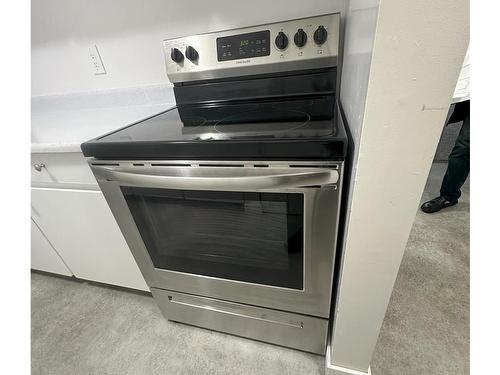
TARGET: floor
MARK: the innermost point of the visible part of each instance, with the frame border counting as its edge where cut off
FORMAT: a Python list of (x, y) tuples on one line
[(426, 327), (82, 328)]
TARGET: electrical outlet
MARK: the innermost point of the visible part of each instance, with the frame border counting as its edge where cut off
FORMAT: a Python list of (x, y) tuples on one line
[(96, 61)]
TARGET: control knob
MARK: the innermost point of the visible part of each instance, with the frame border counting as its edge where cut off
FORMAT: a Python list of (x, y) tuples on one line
[(281, 40), (320, 35), (191, 53), (300, 38), (176, 55)]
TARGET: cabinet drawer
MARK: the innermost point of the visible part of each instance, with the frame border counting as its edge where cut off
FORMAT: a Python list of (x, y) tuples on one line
[(64, 168), (278, 327)]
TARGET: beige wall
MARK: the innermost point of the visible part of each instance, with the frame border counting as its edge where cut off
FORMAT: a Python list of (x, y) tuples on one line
[(418, 51)]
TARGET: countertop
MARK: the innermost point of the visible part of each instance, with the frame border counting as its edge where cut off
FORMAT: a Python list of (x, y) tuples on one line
[(61, 123)]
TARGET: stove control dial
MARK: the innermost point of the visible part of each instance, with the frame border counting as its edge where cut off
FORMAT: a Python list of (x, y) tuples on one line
[(191, 53), (176, 55), (281, 40), (300, 38), (320, 35)]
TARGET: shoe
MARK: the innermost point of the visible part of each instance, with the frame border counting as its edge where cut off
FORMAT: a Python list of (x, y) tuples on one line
[(437, 204)]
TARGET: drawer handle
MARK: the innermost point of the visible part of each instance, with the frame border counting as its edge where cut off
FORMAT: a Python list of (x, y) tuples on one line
[(38, 167), (203, 307)]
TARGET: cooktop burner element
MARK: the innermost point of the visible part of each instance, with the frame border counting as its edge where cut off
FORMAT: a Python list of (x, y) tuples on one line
[(249, 118), (262, 114)]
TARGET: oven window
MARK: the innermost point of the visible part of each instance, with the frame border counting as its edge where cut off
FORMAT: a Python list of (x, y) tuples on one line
[(244, 236)]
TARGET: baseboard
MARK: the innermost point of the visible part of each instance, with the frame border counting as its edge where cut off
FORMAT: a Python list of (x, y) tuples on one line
[(331, 369), (338, 370)]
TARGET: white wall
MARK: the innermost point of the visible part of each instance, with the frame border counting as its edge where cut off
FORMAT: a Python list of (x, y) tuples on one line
[(129, 36), (360, 22), (417, 54)]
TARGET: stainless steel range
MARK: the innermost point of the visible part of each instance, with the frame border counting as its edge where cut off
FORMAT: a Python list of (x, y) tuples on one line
[(229, 202)]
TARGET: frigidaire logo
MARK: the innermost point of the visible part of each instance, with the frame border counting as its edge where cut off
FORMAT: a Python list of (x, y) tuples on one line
[(242, 61)]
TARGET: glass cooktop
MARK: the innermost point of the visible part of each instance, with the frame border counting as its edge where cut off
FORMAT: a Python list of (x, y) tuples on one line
[(302, 129), (269, 120)]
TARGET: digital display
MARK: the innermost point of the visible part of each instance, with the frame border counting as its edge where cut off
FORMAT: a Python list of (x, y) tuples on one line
[(243, 46)]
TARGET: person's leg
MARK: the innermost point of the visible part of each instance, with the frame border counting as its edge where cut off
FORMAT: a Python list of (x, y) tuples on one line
[(456, 173), (458, 165)]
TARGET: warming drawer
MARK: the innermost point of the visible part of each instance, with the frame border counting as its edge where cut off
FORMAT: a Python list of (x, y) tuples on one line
[(282, 328)]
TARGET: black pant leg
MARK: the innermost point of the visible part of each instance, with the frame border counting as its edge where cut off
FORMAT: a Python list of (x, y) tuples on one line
[(458, 164)]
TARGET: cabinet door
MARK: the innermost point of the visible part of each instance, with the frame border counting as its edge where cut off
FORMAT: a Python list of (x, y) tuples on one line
[(80, 225), (43, 255)]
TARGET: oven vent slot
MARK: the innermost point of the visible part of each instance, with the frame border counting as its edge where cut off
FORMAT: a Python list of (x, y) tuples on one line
[(261, 165), (138, 164), (107, 164), (221, 165), (169, 165), (332, 166)]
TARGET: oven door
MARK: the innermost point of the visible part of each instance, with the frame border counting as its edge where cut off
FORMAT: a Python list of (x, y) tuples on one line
[(245, 233)]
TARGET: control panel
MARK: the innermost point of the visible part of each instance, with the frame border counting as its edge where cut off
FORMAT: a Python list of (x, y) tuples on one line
[(243, 46), (305, 43)]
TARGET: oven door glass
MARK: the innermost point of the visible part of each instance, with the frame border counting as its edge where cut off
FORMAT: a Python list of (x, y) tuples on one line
[(244, 236)]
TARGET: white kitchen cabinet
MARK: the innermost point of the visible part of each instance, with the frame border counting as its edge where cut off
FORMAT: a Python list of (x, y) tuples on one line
[(82, 229), (43, 255), (62, 168)]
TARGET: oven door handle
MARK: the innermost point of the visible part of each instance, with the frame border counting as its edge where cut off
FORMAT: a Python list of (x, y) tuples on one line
[(217, 178)]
